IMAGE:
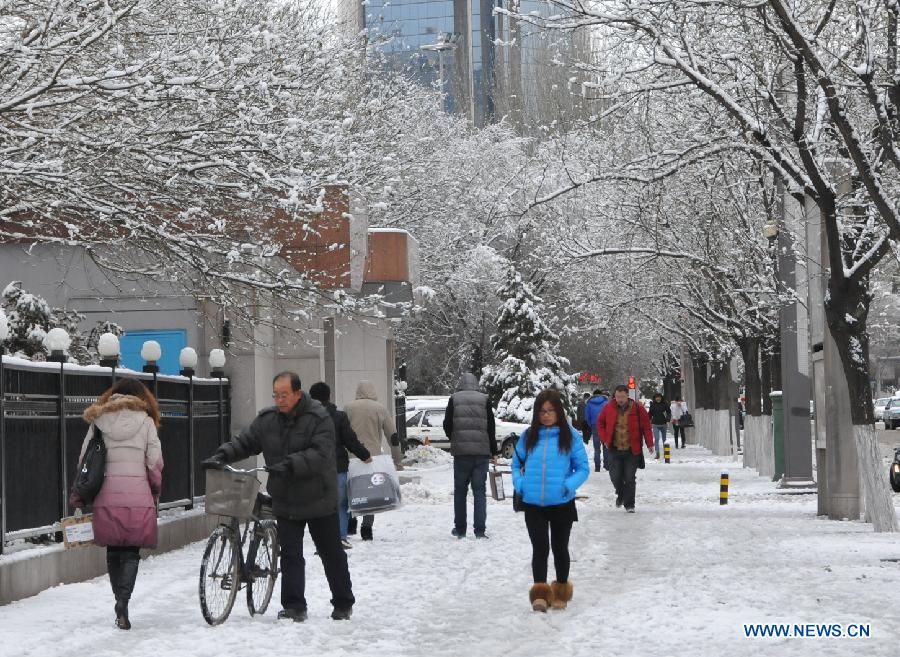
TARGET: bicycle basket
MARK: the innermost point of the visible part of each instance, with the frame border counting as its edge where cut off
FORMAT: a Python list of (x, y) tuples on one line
[(231, 493)]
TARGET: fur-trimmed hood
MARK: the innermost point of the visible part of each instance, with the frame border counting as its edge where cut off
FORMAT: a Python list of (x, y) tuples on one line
[(120, 418)]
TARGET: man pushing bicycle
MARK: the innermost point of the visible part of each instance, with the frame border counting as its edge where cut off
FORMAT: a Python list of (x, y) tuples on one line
[(296, 438)]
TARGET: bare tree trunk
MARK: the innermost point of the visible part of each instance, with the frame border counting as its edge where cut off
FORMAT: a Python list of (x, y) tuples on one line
[(754, 404), (720, 409), (846, 310), (701, 390)]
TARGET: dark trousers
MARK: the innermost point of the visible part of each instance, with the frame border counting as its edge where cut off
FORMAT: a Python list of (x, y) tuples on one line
[(546, 533), (676, 429), (622, 468), (122, 562), (470, 471), (600, 453), (325, 533)]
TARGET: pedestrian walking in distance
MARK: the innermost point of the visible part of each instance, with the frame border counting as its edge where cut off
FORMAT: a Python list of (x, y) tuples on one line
[(296, 438), (470, 426), (548, 466), (677, 409), (592, 410), (124, 510), (660, 414), (621, 426), (374, 427), (346, 442)]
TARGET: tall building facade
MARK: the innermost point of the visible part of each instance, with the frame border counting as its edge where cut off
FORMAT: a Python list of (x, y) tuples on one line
[(487, 67), (446, 44)]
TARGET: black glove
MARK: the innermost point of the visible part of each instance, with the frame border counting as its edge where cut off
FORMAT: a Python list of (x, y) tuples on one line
[(215, 462), (282, 467)]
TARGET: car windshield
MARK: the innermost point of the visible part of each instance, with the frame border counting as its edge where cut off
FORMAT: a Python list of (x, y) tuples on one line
[(434, 419)]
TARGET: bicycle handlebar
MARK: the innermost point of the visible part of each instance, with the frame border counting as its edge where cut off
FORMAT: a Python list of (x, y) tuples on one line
[(241, 471)]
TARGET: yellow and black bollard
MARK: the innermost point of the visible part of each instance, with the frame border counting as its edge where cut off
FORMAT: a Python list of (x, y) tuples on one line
[(667, 452), (723, 489)]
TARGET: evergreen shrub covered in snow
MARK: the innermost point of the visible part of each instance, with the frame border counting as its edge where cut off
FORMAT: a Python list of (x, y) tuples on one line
[(31, 317), (526, 351)]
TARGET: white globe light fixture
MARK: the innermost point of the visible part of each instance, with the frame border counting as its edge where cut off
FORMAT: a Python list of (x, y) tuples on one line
[(151, 352), (217, 362), (108, 348), (57, 341), (187, 359)]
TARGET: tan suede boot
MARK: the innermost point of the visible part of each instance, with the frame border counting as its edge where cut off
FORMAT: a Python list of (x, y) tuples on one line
[(562, 593), (541, 596)]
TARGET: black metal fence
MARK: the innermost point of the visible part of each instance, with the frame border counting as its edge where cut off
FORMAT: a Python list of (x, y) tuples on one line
[(41, 432)]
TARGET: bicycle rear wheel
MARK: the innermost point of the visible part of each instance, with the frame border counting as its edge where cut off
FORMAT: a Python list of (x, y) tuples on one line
[(262, 567), (219, 575)]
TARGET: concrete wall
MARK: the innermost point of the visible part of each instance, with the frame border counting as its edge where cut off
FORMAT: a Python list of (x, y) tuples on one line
[(358, 348), (23, 574), (361, 352), (66, 278)]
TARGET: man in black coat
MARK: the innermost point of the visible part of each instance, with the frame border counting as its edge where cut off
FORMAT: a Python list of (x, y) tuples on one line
[(660, 415), (346, 440), (297, 440)]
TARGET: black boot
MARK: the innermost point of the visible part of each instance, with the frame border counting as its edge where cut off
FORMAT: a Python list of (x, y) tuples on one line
[(114, 567), (351, 526), (365, 533), (127, 577)]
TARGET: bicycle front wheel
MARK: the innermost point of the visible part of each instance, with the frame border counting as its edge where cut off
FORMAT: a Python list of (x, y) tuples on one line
[(219, 575), (263, 567)]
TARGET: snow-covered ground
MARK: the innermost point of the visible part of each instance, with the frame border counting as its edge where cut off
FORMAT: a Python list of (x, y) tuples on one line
[(679, 577)]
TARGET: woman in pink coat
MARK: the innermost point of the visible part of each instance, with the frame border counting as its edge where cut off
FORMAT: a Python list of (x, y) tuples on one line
[(125, 508)]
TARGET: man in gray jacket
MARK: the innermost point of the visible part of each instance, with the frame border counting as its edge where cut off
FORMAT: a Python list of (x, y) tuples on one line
[(296, 438), (469, 424)]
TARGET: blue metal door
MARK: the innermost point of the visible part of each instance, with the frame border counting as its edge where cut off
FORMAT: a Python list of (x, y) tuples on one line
[(171, 342)]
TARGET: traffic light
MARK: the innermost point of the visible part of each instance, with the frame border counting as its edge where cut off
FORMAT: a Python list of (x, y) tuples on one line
[(631, 383)]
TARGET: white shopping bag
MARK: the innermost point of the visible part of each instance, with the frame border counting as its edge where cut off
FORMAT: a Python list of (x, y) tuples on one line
[(372, 487)]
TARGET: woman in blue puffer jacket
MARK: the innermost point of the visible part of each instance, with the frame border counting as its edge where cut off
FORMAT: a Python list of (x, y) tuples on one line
[(548, 466)]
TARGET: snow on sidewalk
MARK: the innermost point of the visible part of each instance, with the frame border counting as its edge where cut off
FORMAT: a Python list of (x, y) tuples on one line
[(679, 577)]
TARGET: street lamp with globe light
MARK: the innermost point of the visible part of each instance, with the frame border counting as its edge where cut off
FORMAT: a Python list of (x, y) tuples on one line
[(187, 360), (216, 366), (57, 341), (108, 348)]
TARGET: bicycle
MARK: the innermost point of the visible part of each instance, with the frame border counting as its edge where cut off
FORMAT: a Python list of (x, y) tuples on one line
[(234, 493)]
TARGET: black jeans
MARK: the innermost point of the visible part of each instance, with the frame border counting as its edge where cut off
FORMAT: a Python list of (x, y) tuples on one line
[(676, 429), (622, 468), (540, 522), (326, 536), (470, 471)]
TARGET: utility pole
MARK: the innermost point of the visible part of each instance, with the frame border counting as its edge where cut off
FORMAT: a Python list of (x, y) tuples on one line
[(793, 322)]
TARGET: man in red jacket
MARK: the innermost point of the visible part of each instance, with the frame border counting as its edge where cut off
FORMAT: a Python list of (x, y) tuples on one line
[(621, 426)]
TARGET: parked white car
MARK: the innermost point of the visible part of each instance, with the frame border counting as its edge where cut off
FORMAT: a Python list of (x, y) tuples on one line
[(880, 405), (426, 420), (892, 413)]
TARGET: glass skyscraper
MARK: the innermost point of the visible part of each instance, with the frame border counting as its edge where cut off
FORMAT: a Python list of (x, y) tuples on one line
[(428, 38), (452, 46)]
